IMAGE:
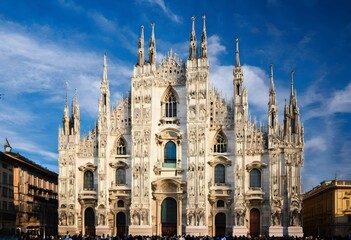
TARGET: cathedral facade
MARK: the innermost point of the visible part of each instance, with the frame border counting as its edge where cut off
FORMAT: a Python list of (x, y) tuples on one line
[(174, 157)]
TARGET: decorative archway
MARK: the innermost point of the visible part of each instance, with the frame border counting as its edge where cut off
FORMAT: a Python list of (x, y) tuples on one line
[(169, 217), (255, 222), (89, 221), (121, 224), (168, 194), (220, 224)]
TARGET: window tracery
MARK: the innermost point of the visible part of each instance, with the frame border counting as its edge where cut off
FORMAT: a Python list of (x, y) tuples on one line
[(220, 143)]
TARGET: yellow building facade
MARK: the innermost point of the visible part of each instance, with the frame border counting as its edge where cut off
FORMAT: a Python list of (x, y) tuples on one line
[(327, 209)]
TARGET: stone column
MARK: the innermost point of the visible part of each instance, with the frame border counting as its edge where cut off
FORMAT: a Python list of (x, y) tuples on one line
[(179, 220), (158, 218)]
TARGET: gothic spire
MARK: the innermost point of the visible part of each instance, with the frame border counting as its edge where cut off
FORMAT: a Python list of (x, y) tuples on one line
[(152, 45), (237, 58), (192, 52), (104, 73), (292, 84), (141, 50), (203, 50), (75, 105), (271, 86), (272, 106), (65, 118), (104, 87)]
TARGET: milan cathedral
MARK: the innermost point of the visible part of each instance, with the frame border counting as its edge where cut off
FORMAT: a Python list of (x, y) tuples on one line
[(174, 157)]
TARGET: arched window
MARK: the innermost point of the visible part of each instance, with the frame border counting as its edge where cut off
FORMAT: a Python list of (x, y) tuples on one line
[(255, 178), (170, 105), (120, 176), (120, 203), (88, 180), (170, 154), (220, 144), (220, 203), (272, 119), (121, 147), (219, 174)]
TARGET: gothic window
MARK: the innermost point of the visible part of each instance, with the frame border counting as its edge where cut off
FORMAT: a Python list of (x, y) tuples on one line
[(220, 144), (219, 173), (121, 147), (170, 154), (88, 180), (220, 203), (120, 176), (272, 119), (255, 178), (171, 105)]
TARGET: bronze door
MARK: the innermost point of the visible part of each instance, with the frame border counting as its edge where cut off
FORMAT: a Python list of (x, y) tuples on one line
[(220, 223), (254, 222), (169, 217), (89, 221), (121, 224)]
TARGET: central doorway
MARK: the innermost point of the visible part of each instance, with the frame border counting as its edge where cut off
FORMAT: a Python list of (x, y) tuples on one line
[(220, 223), (169, 217), (89, 221), (121, 224), (254, 222)]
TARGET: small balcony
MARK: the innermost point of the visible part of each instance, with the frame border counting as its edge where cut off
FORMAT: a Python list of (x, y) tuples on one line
[(220, 189), (87, 194), (255, 194)]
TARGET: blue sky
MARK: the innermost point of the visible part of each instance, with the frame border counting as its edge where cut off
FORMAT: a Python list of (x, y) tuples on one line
[(43, 44)]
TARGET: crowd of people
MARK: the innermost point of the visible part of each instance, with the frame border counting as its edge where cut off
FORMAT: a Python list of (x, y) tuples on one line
[(187, 237)]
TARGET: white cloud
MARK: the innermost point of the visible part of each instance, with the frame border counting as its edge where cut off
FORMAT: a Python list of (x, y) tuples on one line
[(221, 76), (316, 144), (30, 65), (340, 101), (166, 10)]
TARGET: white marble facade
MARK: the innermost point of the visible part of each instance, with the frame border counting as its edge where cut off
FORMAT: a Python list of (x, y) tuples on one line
[(174, 157)]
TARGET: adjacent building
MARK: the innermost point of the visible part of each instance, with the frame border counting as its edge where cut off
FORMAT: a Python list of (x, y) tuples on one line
[(327, 210), (175, 157), (31, 195)]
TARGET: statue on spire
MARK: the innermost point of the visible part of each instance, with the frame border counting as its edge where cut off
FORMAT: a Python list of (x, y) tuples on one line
[(152, 46), (203, 50), (192, 54), (141, 59)]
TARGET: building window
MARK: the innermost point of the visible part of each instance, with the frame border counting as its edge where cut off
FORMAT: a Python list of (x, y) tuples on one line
[(88, 180), (120, 176), (255, 178), (4, 192), (220, 144), (120, 203), (4, 178), (171, 105), (4, 205), (170, 154), (219, 174), (121, 147), (220, 203)]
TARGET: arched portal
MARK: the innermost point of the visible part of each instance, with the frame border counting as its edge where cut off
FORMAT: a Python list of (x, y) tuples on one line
[(89, 221), (254, 222), (220, 223), (121, 224), (169, 217)]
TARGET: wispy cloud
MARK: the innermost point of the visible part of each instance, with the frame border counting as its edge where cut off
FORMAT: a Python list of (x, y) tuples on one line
[(317, 143), (174, 17), (340, 101)]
